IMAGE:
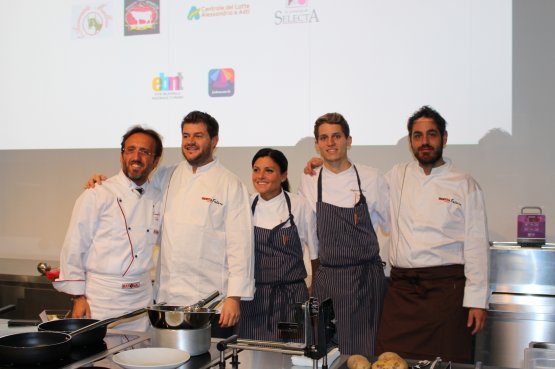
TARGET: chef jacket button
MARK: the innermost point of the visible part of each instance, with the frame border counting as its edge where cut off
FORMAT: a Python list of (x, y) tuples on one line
[(129, 228), (136, 256), (148, 230)]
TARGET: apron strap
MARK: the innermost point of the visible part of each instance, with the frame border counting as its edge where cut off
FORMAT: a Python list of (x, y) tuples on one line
[(362, 197)]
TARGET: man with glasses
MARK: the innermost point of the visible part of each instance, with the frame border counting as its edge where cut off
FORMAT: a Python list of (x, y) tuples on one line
[(106, 257), (207, 235)]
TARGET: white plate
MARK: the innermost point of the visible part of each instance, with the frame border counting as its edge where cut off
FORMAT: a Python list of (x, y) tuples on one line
[(151, 358)]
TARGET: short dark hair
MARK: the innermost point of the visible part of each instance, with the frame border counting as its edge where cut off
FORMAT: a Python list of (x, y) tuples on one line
[(196, 116), (147, 131), (276, 156), (427, 112), (332, 118)]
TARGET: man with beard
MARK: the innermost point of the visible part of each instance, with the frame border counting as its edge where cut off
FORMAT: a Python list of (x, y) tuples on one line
[(106, 257), (438, 252), (207, 233)]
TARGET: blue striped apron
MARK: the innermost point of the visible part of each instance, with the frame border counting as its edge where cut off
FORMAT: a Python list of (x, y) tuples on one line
[(279, 275), (351, 272)]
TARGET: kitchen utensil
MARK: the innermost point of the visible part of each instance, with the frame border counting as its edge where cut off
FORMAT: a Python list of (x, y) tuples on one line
[(73, 324), (194, 341), (47, 346), (200, 304), (421, 364), (7, 308), (176, 317), (531, 226), (151, 358), (436, 362)]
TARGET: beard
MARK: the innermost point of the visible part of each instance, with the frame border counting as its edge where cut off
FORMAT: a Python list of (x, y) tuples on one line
[(202, 158), (429, 158), (136, 174)]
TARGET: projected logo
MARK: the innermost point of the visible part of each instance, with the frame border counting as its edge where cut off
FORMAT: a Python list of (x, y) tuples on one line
[(167, 87), (295, 12), (195, 13), (141, 17), (291, 3), (91, 20), (221, 82)]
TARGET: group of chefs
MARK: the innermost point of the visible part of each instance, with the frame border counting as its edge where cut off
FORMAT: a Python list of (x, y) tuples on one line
[(214, 236)]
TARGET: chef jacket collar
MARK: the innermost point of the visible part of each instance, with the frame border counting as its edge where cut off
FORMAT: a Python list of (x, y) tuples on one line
[(278, 198), (122, 178), (204, 168), (437, 170)]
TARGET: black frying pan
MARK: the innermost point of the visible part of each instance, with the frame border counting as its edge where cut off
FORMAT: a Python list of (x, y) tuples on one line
[(48, 346), (69, 325)]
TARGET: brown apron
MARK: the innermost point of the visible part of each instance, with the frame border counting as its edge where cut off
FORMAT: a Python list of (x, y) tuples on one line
[(423, 315)]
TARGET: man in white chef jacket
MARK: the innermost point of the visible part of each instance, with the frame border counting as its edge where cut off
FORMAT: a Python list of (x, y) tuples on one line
[(207, 233), (438, 251), (106, 257)]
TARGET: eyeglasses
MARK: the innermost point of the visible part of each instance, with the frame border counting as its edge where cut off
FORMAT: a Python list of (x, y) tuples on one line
[(132, 149)]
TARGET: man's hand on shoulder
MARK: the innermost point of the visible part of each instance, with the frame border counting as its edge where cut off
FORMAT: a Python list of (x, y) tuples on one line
[(312, 164), (95, 179), (476, 318)]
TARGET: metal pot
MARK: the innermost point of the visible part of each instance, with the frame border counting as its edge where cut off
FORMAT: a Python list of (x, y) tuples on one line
[(173, 317), (194, 316), (194, 341)]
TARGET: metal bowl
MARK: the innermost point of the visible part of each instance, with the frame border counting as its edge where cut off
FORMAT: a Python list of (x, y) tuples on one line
[(177, 317)]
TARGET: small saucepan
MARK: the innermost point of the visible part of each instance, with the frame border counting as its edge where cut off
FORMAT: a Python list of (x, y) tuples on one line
[(48, 346)]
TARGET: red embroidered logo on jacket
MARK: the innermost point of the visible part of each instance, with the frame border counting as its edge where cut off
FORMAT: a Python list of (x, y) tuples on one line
[(212, 200), (448, 200)]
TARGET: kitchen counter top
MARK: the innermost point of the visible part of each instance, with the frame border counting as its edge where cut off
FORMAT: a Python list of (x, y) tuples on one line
[(248, 359)]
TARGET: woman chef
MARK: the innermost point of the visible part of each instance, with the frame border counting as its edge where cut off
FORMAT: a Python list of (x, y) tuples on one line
[(283, 223)]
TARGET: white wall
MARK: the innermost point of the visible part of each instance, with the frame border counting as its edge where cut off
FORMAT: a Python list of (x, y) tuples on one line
[(39, 187)]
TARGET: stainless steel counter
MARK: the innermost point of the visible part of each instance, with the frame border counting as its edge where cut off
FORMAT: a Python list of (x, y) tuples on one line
[(247, 359)]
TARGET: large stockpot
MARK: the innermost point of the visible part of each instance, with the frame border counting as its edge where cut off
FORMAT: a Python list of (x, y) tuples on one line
[(47, 346), (193, 341)]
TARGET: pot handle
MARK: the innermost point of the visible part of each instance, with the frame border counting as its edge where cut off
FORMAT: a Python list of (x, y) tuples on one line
[(105, 322), (206, 300)]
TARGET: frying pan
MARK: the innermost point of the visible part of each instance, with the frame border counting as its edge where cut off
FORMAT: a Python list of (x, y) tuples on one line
[(69, 325), (47, 346)]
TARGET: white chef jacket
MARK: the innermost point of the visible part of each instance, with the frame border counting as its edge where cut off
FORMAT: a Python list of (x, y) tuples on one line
[(269, 214), (111, 234), (440, 219), (341, 189), (207, 235)]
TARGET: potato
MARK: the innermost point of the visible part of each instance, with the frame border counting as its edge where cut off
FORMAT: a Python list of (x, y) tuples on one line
[(388, 355), (390, 360), (358, 362)]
